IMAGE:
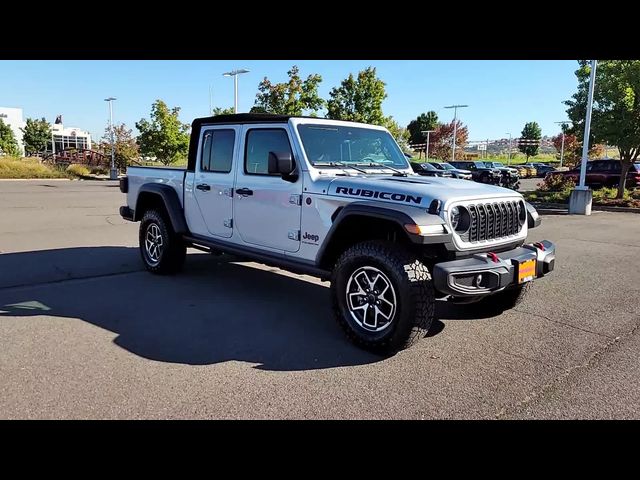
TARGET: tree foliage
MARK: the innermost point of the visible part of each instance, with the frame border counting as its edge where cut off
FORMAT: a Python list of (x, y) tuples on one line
[(572, 149), (36, 135), (400, 134), (424, 121), (164, 136), (294, 97), (125, 146), (441, 139), (222, 111), (358, 99), (531, 131), (615, 117), (8, 142)]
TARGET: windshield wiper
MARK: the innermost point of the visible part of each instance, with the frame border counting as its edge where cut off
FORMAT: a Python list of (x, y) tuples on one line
[(339, 164), (397, 173)]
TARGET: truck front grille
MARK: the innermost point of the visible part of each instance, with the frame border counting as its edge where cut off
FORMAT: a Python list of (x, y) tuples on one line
[(492, 220)]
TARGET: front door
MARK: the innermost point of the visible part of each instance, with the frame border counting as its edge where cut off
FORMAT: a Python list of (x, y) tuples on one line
[(213, 187), (267, 208)]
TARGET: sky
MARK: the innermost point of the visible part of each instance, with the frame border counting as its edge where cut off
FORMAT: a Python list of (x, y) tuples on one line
[(502, 94)]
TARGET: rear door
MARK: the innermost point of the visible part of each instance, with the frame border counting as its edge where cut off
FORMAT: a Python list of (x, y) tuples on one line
[(267, 209), (214, 176)]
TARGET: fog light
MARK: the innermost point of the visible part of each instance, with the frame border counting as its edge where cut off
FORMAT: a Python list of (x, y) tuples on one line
[(478, 279)]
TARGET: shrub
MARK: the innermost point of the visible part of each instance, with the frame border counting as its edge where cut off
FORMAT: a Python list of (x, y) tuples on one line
[(556, 183), (11, 167), (99, 170), (78, 170)]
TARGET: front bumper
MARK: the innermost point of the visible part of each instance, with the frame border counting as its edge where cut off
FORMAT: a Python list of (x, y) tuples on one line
[(487, 273)]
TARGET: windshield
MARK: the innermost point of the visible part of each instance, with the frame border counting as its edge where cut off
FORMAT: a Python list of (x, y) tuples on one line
[(328, 144), (497, 164), (446, 166)]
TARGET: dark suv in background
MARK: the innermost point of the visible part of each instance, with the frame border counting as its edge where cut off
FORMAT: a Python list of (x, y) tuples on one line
[(480, 172), (604, 173)]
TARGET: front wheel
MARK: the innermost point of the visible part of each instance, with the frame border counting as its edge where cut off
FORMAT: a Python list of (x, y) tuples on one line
[(382, 296), (162, 250)]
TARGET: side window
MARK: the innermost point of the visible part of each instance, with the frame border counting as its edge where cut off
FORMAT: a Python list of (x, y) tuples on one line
[(217, 151), (261, 141)]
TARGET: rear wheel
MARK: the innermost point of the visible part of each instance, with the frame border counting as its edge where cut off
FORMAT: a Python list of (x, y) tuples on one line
[(382, 296), (162, 250)]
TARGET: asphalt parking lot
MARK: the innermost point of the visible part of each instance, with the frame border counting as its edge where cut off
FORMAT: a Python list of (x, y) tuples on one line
[(86, 333)]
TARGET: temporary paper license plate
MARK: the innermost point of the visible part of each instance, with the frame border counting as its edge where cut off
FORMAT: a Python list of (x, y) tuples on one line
[(527, 270)]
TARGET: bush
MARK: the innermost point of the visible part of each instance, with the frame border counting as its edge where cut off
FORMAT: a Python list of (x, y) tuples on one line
[(12, 167), (556, 183), (99, 170), (78, 170)]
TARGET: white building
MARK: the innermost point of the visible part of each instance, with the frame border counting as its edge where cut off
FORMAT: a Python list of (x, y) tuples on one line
[(13, 118), (64, 137)]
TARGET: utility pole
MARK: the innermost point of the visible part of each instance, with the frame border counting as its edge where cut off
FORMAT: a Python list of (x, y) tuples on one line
[(455, 128), (509, 151), (113, 173), (562, 124), (428, 132)]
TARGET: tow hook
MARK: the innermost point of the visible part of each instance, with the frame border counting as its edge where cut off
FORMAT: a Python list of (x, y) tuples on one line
[(539, 245), (493, 257)]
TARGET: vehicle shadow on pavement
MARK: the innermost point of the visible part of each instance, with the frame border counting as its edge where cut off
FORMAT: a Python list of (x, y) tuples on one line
[(214, 311)]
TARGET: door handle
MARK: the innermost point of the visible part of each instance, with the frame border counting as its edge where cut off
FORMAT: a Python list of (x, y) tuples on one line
[(204, 187), (245, 192)]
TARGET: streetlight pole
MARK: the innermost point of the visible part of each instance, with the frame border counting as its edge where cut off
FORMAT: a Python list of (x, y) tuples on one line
[(509, 152), (562, 145), (582, 196), (455, 128), (113, 173), (428, 132), (234, 74)]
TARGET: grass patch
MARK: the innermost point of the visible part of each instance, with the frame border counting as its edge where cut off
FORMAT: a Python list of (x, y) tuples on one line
[(11, 167), (558, 190), (78, 170)]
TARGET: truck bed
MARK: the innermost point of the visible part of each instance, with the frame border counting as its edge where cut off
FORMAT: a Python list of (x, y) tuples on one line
[(137, 176)]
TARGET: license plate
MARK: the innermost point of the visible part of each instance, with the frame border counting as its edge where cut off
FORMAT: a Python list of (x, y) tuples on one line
[(527, 271)]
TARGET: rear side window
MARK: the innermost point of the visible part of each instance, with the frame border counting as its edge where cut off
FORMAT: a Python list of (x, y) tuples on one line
[(635, 167), (217, 151), (259, 143)]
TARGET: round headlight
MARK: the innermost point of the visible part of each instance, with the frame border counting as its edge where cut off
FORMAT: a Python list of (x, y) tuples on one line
[(460, 219), (455, 217), (522, 213)]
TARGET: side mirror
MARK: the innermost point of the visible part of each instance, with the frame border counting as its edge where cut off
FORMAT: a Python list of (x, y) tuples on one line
[(281, 163)]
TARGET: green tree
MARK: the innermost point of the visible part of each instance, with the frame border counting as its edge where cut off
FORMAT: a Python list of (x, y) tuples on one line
[(358, 99), (615, 119), (424, 121), (530, 133), (126, 149), (36, 135), (164, 137), (400, 134), (294, 97), (8, 143), (222, 111)]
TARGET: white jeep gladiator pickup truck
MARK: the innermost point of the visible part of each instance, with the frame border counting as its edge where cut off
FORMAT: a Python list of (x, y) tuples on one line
[(339, 200)]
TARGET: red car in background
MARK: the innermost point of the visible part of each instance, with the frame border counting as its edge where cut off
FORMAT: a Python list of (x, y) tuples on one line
[(604, 173)]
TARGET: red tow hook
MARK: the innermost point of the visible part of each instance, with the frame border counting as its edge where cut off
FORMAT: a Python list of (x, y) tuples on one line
[(493, 257), (539, 245)]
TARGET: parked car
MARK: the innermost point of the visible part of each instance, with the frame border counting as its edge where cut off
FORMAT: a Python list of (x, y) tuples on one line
[(480, 172), (523, 172), (509, 175), (428, 170), (455, 172), (339, 201), (604, 173), (533, 169), (543, 169)]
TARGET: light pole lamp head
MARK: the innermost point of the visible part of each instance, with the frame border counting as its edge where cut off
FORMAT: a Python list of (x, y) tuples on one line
[(110, 99), (235, 72)]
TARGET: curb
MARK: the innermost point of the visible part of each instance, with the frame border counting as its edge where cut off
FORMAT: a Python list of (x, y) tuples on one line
[(35, 179), (564, 208)]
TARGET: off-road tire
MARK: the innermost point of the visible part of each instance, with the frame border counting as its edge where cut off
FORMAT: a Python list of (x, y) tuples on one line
[(172, 255), (505, 300), (412, 285)]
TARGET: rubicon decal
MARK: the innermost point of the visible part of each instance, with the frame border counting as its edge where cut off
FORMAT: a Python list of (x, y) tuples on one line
[(360, 192)]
